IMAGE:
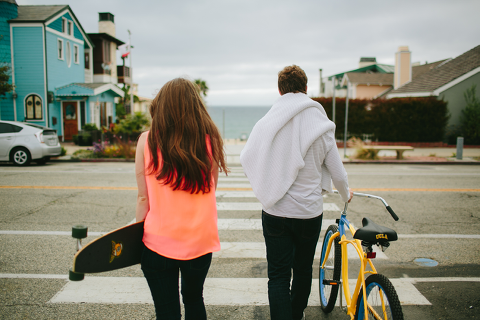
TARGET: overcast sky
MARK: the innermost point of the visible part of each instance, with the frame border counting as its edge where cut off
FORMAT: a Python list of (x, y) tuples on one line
[(238, 46)]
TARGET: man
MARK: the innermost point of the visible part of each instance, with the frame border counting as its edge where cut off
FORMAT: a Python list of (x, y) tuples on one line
[(290, 159)]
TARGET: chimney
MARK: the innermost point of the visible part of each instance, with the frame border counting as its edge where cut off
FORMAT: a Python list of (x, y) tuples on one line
[(106, 23), (367, 61), (403, 67)]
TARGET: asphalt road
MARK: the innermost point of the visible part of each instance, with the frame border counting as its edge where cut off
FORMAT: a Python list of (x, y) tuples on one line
[(439, 215)]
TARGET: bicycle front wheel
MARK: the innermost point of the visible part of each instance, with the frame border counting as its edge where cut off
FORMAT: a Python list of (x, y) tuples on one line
[(331, 272), (382, 300)]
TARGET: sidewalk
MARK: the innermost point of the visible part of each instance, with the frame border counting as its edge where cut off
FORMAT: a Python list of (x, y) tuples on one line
[(233, 147)]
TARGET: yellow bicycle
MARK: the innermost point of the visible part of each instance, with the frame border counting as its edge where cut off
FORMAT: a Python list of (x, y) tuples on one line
[(376, 290)]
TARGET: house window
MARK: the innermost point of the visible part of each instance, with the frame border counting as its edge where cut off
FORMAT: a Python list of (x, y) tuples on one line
[(68, 54), (87, 60), (106, 51), (60, 49), (75, 54), (64, 25), (70, 28), (33, 108)]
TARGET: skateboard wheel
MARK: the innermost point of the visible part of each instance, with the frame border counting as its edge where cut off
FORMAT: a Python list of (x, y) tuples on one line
[(73, 276), (79, 231)]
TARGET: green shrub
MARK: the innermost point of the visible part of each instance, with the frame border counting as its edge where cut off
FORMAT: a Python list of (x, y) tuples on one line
[(133, 123), (89, 127), (393, 120), (470, 118)]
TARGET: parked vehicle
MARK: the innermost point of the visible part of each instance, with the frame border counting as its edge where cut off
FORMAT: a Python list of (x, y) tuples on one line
[(22, 142)]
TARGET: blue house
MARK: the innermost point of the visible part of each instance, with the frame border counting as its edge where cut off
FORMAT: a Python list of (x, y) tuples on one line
[(51, 68)]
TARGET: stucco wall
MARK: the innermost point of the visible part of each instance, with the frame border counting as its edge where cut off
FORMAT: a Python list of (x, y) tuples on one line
[(456, 99), (368, 92)]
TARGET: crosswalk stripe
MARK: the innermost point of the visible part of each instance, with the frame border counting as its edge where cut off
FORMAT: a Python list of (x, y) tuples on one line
[(243, 186), (234, 194), (233, 179), (256, 250), (218, 291), (257, 206), (254, 224)]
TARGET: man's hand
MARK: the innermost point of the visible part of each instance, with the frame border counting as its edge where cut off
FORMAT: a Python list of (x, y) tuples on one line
[(351, 195)]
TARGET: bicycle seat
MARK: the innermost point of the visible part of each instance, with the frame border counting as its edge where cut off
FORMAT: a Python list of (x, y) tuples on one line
[(374, 233)]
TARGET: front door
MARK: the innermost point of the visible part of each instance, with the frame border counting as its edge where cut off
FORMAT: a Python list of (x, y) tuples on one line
[(70, 120)]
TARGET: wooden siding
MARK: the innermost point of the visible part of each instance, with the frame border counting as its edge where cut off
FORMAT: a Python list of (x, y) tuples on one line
[(59, 74), (456, 99), (7, 11), (57, 26), (29, 66)]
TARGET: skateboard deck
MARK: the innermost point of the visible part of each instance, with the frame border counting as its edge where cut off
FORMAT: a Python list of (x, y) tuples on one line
[(117, 249)]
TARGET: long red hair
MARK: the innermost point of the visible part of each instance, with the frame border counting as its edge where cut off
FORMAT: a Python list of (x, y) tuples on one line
[(180, 124)]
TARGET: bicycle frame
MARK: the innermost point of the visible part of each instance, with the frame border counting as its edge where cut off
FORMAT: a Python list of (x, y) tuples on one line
[(351, 300)]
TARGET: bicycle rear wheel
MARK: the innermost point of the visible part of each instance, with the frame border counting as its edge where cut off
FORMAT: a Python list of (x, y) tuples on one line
[(382, 300), (332, 271)]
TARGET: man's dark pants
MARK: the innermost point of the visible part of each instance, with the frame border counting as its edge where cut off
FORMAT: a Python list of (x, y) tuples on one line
[(290, 245)]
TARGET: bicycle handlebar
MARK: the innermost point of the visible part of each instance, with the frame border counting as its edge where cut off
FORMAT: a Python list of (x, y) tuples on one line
[(389, 209)]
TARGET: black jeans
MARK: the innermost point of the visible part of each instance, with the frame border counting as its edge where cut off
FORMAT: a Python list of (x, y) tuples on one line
[(291, 244), (162, 277)]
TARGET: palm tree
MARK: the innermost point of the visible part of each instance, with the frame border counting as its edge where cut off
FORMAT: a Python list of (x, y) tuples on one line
[(201, 86)]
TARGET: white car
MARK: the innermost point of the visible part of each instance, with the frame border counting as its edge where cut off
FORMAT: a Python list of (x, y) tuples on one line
[(22, 142)]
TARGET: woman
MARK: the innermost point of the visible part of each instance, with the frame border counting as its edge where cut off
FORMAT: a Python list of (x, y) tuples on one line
[(176, 165)]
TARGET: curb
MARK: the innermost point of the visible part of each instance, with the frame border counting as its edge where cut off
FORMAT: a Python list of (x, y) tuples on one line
[(462, 162), (92, 160), (408, 162)]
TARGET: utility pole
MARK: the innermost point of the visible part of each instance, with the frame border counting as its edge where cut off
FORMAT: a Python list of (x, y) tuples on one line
[(334, 80), (346, 122), (131, 73)]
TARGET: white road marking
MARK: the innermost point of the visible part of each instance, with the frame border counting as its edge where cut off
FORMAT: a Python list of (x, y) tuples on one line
[(233, 179), (218, 291), (32, 276), (239, 206), (256, 250), (234, 185), (256, 206), (254, 224), (235, 194), (437, 236)]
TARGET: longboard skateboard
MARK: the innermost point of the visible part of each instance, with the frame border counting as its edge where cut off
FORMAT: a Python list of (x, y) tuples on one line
[(117, 249)]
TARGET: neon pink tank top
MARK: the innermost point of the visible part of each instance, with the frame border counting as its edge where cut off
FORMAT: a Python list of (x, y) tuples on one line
[(180, 225)]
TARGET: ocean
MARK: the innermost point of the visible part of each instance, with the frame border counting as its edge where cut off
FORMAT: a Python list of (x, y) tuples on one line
[(239, 121)]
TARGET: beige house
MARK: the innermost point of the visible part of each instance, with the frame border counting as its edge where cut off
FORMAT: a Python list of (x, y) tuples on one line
[(372, 80)]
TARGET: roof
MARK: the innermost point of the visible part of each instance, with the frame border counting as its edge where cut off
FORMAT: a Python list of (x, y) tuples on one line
[(87, 89), (107, 36), (442, 74), (44, 13), (37, 13), (374, 68), (385, 79), (421, 69)]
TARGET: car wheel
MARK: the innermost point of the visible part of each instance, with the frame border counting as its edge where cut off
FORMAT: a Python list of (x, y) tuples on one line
[(42, 161), (20, 157)]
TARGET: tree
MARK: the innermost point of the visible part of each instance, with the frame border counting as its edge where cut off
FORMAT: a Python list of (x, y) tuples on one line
[(470, 118), (5, 87), (201, 86), (120, 107)]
